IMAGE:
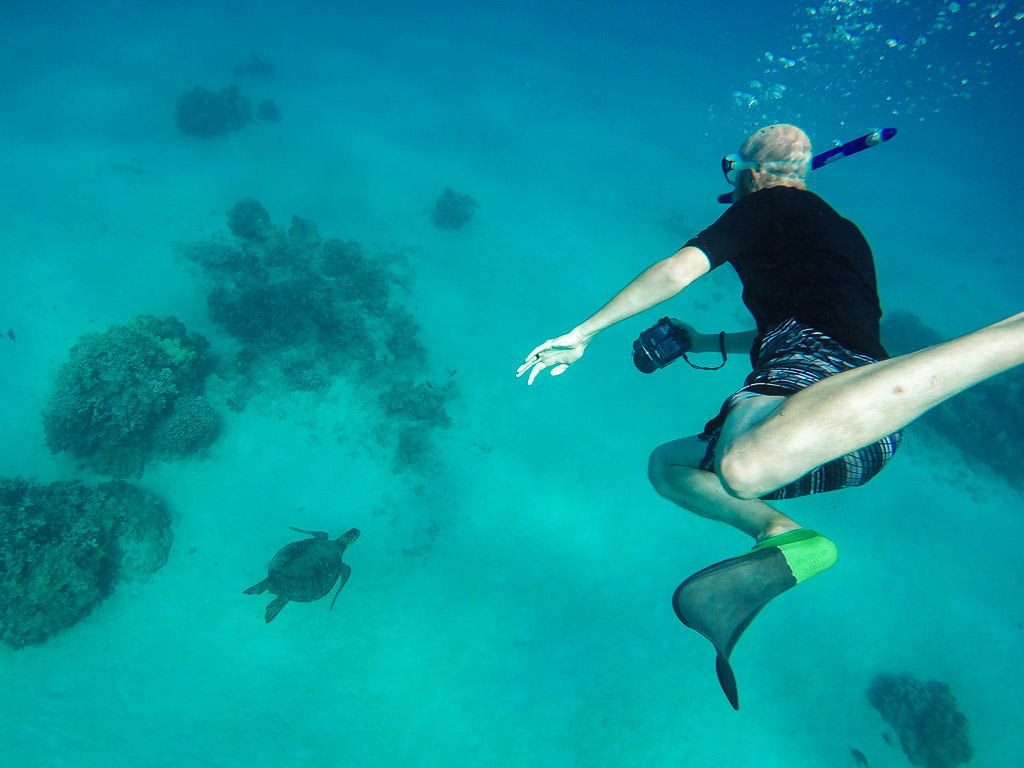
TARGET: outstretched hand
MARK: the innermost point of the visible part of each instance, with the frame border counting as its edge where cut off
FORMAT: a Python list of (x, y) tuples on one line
[(558, 354)]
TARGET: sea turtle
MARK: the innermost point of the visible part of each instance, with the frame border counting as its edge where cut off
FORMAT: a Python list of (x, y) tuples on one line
[(305, 570)]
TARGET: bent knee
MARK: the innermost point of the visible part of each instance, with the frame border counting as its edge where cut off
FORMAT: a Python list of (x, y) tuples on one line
[(670, 470), (657, 469), (743, 473)]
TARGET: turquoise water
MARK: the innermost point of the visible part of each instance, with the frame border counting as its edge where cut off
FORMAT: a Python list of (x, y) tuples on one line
[(509, 603)]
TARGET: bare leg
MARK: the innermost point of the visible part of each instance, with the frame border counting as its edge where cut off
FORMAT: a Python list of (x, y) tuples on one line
[(674, 472), (763, 448)]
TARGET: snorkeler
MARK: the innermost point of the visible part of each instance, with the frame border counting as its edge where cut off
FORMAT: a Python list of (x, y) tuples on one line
[(823, 407)]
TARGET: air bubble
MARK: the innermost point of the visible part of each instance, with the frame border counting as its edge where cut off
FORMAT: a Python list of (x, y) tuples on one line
[(743, 99)]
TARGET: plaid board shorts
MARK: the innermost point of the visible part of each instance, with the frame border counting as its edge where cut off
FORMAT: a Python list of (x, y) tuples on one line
[(793, 356)]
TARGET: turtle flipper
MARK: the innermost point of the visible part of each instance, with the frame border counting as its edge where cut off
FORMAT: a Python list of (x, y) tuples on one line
[(274, 608), (317, 534), (257, 589), (345, 573)]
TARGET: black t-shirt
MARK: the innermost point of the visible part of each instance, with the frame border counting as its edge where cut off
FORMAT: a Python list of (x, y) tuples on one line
[(797, 257)]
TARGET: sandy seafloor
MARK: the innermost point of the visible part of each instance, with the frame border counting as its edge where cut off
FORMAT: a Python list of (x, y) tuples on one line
[(511, 606)]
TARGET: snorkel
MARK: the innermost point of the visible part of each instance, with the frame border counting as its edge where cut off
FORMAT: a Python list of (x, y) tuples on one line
[(839, 151)]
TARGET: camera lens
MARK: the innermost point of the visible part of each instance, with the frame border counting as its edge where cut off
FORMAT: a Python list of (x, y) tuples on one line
[(642, 359)]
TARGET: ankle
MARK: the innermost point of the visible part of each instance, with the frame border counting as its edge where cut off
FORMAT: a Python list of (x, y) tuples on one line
[(777, 528)]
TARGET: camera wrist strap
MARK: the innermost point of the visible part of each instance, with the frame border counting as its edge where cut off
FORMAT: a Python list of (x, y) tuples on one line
[(721, 346)]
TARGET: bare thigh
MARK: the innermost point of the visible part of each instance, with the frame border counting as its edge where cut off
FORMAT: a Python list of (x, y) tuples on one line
[(745, 417), (684, 452)]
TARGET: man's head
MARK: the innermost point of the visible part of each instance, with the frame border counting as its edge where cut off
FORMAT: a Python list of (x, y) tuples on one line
[(773, 156)]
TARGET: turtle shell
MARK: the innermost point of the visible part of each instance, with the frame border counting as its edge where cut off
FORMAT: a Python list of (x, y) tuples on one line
[(305, 570)]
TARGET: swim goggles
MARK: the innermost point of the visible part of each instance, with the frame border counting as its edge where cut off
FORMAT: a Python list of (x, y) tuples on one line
[(732, 165)]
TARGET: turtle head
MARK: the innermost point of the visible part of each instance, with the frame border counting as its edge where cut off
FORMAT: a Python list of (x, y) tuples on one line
[(348, 537)]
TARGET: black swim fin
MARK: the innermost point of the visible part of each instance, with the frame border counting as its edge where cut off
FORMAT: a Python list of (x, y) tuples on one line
[(721, 600)]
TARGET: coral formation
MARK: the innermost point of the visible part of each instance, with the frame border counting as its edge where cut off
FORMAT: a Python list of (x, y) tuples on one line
[(307, 310), (924, 715), (341, 257), (299, 304), (452, 210), (249, 220), (418, 402), (219, 258), (985, 422), (190, 426), (303, 233), (202, 112), (416, 411), (116, 388), (268, 112), (63, 548), (414, 449), (403, 339)]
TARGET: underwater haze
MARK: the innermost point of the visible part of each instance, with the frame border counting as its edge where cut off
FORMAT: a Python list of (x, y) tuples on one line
[(363, 215)]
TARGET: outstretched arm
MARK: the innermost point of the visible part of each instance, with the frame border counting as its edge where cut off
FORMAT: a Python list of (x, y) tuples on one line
[(654, 285)]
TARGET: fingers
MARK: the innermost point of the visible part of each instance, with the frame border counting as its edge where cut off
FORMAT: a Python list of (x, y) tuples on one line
[(538, 349), (559, 348), (532, 360), (537, 368)]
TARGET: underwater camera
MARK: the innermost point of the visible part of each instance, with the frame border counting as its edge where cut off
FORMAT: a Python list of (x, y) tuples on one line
[(659, 345)]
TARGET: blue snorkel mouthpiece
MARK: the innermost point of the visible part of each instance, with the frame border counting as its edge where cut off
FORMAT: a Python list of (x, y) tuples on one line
[(840, 151)]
